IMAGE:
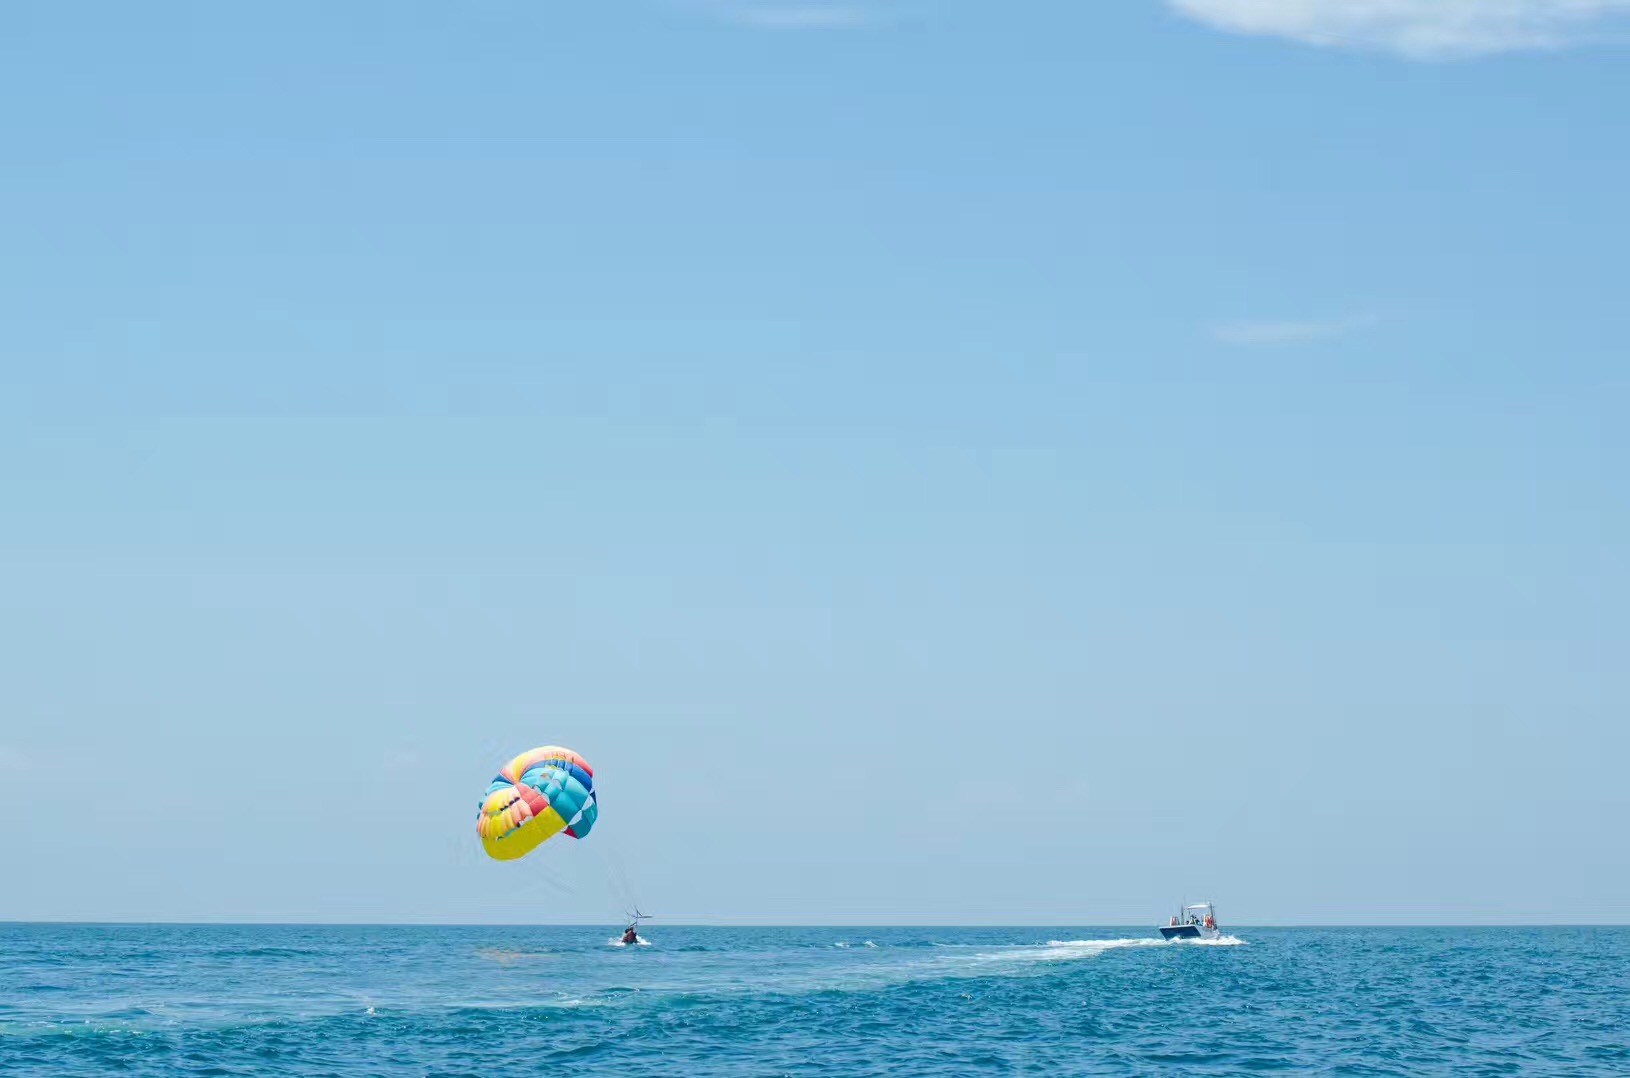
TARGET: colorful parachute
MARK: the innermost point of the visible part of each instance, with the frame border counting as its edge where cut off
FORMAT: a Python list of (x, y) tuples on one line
[(536, 796)]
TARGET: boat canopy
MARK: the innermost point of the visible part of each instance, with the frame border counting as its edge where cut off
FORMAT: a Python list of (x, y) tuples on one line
[(1201, 906)]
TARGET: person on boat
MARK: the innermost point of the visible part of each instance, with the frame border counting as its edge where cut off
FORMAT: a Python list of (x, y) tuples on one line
[(630, 936)]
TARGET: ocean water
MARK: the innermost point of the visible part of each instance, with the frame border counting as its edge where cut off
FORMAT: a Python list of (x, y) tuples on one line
[(300, 1000)]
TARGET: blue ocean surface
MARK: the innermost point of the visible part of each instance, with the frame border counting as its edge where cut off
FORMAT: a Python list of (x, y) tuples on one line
[(304, 1000)]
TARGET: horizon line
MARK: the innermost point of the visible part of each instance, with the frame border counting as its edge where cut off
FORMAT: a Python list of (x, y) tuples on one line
[(789, 924)]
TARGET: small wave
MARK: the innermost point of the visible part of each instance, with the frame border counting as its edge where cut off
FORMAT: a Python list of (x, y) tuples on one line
[(88, 1028), (566, 1002), (616, 941)]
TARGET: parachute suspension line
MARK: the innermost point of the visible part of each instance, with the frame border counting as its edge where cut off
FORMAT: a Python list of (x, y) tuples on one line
[(560, 887), (616, 875)]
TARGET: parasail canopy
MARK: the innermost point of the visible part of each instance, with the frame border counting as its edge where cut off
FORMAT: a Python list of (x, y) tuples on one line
[(536, 796)]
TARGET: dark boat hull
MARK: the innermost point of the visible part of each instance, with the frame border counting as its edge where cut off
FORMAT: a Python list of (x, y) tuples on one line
[(1180, 932)]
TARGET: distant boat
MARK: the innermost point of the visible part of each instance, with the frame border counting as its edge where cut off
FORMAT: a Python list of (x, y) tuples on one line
[(1196, 922)]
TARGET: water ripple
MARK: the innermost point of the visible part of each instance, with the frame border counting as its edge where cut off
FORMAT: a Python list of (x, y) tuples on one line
[(253, 1001)]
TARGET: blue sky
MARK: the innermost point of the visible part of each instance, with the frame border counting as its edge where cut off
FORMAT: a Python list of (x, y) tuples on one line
[(941, 462)]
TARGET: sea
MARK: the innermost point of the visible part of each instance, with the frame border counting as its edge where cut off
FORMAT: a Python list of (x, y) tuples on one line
[(510, 1001)]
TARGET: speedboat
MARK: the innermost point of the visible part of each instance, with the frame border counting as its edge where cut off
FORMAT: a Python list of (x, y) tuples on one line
[(1196, 922)]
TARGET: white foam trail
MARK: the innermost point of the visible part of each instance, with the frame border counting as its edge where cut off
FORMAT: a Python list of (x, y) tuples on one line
[(1220, 941), (1096, 946), (1058, 951)]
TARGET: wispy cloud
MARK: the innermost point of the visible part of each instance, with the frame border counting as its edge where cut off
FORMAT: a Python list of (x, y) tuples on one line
[(794, 14), (1290, 331), (1418, 29)]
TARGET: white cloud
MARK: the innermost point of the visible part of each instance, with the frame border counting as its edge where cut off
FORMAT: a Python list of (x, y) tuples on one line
[(794, 14), (1290, 332), (1419, 29)]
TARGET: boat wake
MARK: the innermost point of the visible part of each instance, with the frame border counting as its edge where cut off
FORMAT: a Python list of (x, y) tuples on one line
[(976, 961), (1096, 946)]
